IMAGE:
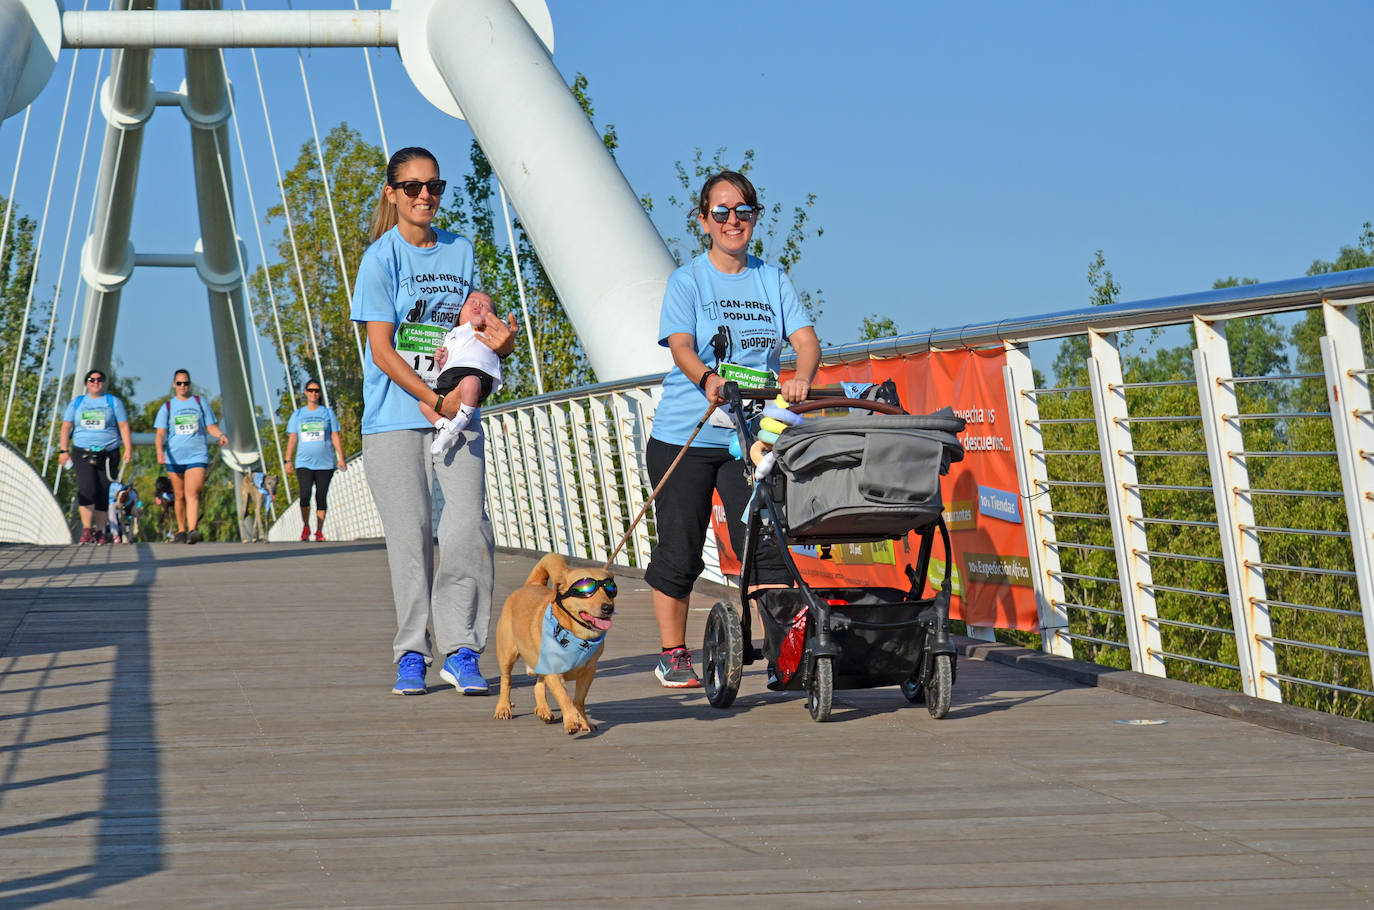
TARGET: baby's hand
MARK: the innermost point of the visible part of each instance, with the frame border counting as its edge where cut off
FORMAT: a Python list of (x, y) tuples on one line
[(440, 356)]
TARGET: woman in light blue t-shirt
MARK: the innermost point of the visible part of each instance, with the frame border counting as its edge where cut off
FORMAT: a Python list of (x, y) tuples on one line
[(93, 426), (313, 450), (183, 424), (411, 285), (728, 305)]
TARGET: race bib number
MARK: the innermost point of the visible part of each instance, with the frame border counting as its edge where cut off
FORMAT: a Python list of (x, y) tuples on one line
[(186, 424), (93, 420), (312, 431), (416, 343)]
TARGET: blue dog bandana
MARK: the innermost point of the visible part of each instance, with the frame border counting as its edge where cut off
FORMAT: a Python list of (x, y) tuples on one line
[(560, 650)]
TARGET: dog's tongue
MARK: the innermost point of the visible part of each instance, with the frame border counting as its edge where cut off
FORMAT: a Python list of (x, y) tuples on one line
[(596, 622)]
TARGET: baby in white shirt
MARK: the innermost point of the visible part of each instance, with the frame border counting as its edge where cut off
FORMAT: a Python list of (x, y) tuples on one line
[(469, 366)]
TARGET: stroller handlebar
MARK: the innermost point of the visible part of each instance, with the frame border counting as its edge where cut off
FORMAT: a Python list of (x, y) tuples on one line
[(818, 399)]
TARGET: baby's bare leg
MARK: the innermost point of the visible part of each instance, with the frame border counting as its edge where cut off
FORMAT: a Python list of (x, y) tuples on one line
[(429, 413), (470, 390)]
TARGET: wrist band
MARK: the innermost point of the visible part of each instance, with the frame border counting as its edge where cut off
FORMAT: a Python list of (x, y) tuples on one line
[(439, 405), (701, 383)]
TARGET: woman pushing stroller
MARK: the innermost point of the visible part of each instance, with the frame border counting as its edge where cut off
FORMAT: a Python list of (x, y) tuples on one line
[(731, 307)]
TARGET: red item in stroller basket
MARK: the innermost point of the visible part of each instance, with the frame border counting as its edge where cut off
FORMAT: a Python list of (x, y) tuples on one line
[(792, 648)]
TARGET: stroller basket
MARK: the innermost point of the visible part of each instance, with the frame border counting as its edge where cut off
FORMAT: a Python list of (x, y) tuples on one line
[(864, 478), (881, 647)]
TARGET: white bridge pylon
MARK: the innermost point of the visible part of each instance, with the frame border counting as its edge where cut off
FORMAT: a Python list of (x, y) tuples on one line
[(485, 60)]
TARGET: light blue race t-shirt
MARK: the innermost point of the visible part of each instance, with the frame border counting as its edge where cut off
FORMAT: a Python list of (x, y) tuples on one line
[(95, 421), (314, 437), (756, 311), (185, 423), (419, 290)]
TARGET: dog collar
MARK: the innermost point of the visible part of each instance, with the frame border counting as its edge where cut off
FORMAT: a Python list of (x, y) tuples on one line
[(560, 650)]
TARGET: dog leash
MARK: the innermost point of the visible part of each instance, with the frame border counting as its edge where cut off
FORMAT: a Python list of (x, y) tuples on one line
[(666, 474)]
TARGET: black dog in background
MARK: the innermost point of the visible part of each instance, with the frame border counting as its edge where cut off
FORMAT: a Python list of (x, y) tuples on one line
[(165, 499)]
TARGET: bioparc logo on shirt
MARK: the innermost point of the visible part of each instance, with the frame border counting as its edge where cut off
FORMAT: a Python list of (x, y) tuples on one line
[(450, 291)]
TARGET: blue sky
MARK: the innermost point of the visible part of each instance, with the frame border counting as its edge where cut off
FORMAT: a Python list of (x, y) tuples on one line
[(967, 159)]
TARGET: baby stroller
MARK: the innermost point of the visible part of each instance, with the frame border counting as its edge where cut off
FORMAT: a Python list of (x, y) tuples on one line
[(843, 480)]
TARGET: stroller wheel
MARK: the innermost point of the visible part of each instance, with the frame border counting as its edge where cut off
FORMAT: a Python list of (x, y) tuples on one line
[(821, 694), (913, 691), (940, 687), (723, 655)]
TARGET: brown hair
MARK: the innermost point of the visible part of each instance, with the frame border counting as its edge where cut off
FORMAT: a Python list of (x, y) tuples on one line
[(736, 179), (384, 215)]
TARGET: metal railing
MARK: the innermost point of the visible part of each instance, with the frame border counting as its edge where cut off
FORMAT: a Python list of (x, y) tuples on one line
[(1199, 525), (29, 513)]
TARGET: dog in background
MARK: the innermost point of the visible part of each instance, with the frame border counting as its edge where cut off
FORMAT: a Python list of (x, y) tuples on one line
[(124, 515), (166, 500), (256, 492), (556, 623)]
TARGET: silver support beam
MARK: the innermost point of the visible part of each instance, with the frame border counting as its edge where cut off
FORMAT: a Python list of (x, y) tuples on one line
[(565, 185), (1123, 502), (221, 255), (230, 28), (29, 31), (1352, 422), (107, 258), (1031, 471), (1235, 510)]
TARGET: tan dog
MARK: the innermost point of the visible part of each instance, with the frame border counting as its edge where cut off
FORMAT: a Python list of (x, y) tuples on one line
[(560, 618), (253, 500)]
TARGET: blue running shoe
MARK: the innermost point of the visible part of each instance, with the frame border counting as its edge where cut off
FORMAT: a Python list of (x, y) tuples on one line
[(410, 674), (462, 671)]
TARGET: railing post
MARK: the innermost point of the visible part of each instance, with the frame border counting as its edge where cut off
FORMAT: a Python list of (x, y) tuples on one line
[(519, 479), (1352, 421), (1123, 503), (588, 470), (1033, 477), (535, 493), (633, 415), (605, 438), (565, 451), (549, 464), (1230, 472)]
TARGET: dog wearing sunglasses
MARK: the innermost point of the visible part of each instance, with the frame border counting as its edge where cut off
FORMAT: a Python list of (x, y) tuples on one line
[(557, 623)]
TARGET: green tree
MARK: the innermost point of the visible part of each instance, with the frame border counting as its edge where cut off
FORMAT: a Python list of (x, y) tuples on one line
[(1070, 364), (16, 274), (875, 326)]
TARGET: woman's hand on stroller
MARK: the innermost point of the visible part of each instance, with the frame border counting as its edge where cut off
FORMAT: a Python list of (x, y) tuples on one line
[(795, 390)]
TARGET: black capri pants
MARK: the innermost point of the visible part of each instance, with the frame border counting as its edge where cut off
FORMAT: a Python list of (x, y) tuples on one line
[(94, 471), (318, 478), (683, 508)]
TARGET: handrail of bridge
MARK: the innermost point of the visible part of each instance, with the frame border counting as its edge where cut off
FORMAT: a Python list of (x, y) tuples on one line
[(1165, 532), (29, 513)]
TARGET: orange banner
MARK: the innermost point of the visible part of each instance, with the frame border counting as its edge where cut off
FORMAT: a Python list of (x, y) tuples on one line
[(992, 579)]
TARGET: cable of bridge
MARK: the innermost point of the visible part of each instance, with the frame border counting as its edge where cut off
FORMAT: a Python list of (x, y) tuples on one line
[(291, 236), (329, 201), (62, 264), (116, 71), (38, 248), (247, 294)]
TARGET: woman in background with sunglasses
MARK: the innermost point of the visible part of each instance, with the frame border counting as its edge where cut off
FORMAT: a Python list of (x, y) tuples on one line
[(410, 290), (183, 425), (725, 306), (315, 428), (101, 424)]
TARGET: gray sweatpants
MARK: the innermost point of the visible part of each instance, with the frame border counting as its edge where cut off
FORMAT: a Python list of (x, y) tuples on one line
[(455, 592)]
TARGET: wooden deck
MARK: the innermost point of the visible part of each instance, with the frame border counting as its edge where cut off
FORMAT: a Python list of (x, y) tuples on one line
[(211, 726)]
